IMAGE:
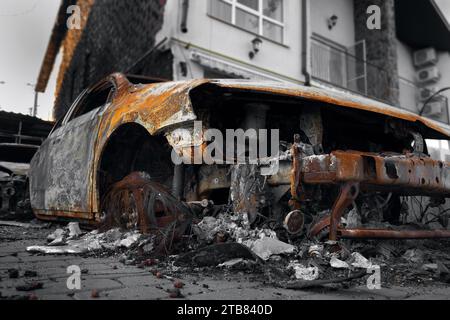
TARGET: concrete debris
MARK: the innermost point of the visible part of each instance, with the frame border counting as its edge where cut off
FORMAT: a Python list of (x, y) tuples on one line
[(304, 273), (414, 256), (267, 247), (386, 250), (129, 240), (74, 230), (302, 284), (353, 219), (93, 241), (231, 263), (338, 264), (430, 267), (236, 227), (59, 241), (359, 261), (56, 234)]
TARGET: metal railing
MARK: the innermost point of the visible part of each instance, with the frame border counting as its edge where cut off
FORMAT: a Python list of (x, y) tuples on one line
[(348, 69)]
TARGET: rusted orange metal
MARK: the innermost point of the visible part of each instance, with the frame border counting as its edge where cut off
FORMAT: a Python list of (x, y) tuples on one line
[(406, 174), (336, 98), (349, 192), (296, 182), (137, 201), (392, 234)]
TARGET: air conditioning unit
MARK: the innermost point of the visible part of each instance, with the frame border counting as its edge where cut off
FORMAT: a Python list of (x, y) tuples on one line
[(427, 93), (428, 75), (434, 109), (425, 57)]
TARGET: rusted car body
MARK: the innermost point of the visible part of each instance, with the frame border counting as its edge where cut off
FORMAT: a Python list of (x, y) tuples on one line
[(335, 147)]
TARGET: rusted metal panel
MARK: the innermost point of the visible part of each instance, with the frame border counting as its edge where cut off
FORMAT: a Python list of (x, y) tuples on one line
[(335, 98), (62, 184), (408, 174), (392, 234)]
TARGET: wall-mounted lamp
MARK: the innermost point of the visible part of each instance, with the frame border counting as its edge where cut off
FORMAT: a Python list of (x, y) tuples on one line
[(256, 44), (332, 21)]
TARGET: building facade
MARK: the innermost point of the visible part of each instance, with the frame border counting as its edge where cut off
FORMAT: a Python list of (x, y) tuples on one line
[(325, 43)]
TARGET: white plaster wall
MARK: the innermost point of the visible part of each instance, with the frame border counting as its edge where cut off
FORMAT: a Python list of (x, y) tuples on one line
[(407, 73), (344, 31), (444, 66), (405, 61), (233, 44)]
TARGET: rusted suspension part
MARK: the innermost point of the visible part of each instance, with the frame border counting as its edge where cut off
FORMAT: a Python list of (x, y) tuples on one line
[(349, 192), (392, 234), (323, 225), (295, 176), (138, 202)]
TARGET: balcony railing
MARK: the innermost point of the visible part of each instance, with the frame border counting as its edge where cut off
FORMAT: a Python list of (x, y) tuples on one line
[(348, 69)]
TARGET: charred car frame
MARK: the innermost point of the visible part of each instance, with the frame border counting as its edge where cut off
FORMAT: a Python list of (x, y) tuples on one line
[(337, 151)]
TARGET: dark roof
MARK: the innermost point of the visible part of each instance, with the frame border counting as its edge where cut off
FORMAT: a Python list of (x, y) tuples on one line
[(421, 24), (32, 130)]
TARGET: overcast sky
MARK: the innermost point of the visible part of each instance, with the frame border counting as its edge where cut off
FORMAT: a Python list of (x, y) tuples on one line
[(25, 27)]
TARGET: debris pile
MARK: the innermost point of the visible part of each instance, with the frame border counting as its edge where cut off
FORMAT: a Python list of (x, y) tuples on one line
[(230, 243), (71, 240)]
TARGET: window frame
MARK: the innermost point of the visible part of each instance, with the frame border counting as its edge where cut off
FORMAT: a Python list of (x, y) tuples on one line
[(72, 114), (258, 13)]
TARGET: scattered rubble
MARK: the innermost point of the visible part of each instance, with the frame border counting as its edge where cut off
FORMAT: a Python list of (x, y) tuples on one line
[(227, 243), (306, 284), (360, 262), (65, 243), (74, 230), (338, 264), (304, 273), (414, 256), (215, 255), (267, 247)]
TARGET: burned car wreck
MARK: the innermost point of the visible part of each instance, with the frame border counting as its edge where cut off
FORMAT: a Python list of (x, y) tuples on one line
[(109, 161)]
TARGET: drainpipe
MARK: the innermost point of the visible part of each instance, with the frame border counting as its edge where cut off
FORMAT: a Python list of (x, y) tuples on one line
[(184, 15), (306, 42)]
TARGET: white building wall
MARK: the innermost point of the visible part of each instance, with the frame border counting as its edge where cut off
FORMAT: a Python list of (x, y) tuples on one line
[(344, 31), (407, 74), (444, 66), (225, 44)]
